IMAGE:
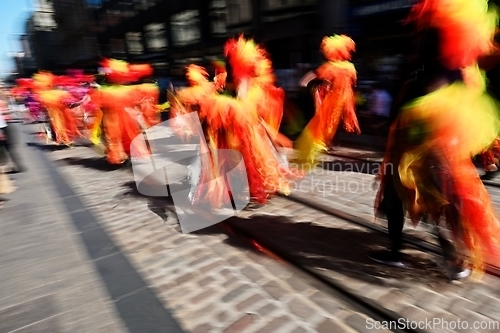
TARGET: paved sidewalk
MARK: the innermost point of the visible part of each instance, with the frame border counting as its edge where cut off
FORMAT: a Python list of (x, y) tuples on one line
[(338, 251), (354, 189), (209, 280), (48, 282), (214, 284)]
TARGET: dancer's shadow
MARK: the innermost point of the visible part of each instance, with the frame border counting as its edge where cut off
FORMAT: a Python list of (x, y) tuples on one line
[(332, 250), (40, 132), (162, 205), (329, 250), (46, 147), (491, 176), (97, 163)]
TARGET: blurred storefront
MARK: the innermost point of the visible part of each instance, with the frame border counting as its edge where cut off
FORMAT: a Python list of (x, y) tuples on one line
[(77, 45), (382, 38), (171, 34)]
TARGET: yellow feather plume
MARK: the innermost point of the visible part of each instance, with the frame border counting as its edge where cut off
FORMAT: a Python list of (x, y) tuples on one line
[(196, 75), (337, 47), (44, 79), (118, 65)]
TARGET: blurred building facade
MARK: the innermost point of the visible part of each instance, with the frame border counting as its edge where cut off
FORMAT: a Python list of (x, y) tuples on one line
[(26, 63), (40, 42), (77, 45), (383, 40), (169, 34)]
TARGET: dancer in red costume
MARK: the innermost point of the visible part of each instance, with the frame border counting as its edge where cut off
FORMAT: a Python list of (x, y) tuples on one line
[(126, 109), (57, 103), (248, 122), (442, 123), (334, 98)]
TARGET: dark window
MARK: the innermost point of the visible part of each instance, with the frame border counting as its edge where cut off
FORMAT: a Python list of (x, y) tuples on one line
[(185, 27)]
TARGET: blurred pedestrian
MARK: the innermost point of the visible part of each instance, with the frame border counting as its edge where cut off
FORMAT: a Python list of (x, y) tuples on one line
[(9, 138), (379, 103), (6, 186)]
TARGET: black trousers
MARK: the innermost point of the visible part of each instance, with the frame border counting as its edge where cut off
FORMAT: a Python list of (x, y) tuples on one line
[(9, 146), (392, 207)]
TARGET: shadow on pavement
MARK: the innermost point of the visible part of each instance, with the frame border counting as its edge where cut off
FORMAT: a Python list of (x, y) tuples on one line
[(330, 249), (164, 207), (490, 175), (46, 147), (161, 206), (97, 163)]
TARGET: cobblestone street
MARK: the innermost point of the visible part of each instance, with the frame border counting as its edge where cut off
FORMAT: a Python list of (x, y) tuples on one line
[(214, 166), (212, 280)]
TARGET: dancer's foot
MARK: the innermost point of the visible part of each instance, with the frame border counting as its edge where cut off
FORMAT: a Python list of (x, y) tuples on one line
[(253, 204), (491, 168), (389, 258), (458, 271)]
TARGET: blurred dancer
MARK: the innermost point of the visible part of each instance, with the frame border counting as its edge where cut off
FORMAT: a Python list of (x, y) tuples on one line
[(240, 110), (333, 97), (37, 112), (439, 125), (6, 186), (56, 101), (80, 87), (9, 139), (125, 109)]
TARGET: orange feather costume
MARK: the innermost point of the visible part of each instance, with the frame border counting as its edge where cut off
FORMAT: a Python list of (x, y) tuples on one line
[(247, 123), (432, 143), (125, 110), (334, 99), (55, 101)]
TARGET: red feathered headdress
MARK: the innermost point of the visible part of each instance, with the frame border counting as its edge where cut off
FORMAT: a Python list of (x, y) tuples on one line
[(248, 60), (121, 72), (466, 28), (65, 81), (80, 76), (24, 83)]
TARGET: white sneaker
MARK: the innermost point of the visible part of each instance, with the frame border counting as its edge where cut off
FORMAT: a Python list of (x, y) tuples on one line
[(491, 168)]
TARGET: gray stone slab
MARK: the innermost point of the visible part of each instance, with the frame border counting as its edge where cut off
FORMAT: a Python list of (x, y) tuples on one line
[(21, 315)]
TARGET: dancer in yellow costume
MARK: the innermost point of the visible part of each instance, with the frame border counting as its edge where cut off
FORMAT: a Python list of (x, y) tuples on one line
[(446, 120)]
